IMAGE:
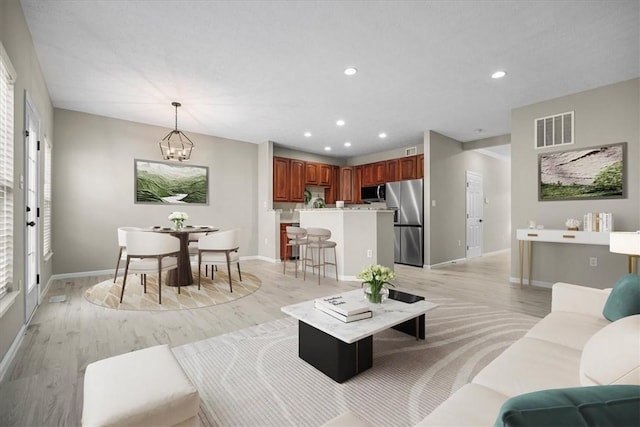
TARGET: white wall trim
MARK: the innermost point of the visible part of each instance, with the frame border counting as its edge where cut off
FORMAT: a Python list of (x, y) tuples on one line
[(537, 283), (81, 274), (442, 264), (261, 258), (11, 353), (44, 291)]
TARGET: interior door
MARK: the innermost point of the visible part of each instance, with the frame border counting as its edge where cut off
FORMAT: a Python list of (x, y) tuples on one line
[(474, 214), (31, 193)]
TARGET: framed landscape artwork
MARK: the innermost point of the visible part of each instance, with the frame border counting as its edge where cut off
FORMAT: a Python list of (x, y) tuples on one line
[(583, 174), (171, 183)]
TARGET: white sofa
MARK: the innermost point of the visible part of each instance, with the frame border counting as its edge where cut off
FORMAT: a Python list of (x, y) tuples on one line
[(573, 346)]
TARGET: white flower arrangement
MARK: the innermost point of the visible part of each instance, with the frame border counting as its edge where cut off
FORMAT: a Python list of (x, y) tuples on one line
[(178, 218), (376, 276)]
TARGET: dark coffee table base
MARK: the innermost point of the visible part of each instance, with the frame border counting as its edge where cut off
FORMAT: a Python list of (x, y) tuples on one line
[(331, 356), (339, 360)]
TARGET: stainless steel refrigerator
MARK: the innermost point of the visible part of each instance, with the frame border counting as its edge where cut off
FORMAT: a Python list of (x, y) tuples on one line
[(406, 198)]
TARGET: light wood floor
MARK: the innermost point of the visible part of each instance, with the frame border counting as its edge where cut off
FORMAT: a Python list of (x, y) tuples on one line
[(44, 384)]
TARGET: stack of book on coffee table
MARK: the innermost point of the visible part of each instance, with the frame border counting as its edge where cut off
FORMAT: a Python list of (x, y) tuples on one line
[(347, 311)]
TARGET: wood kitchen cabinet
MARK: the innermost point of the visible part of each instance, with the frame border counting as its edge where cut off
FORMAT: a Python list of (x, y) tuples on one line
[(332, 193), (312, 173), (408, 168), (281, 186), (357, 185), (420, 166), (285, 251), (347, 184), (297, 178), (367, 175), (392, 170), (379, 173), (324, 175)]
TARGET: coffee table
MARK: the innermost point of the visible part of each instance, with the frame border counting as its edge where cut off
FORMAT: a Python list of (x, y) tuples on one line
[(342, 350)]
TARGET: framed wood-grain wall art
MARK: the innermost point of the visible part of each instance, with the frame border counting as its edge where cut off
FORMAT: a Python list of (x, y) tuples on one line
[(583, 174), (171, 183)]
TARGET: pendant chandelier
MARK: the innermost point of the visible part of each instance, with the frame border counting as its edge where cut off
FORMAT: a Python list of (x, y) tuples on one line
[(180, 147)]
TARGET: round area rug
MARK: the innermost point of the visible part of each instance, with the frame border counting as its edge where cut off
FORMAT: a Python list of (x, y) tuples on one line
[(212, 292)]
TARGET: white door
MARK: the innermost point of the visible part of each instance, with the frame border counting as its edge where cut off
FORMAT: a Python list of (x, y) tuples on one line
[(31, 192), (474, 214)]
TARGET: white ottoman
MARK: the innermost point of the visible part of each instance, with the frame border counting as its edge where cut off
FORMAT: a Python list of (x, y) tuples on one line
[(142, 388)]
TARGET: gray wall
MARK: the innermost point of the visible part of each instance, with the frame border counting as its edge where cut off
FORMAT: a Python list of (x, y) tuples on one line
[(16, 38), (383, 155), (604, 115), (307, 157), (448, 163), (94, 187)]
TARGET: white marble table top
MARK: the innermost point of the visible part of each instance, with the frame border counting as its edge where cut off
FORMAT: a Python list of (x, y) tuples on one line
[(385, 315)]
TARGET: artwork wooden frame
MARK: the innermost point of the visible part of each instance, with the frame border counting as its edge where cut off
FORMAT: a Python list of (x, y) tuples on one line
[(170, 183), (583, 173)]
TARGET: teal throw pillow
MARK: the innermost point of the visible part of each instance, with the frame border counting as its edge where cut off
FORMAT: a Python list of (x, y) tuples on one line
[(603, 405), (624, 299)]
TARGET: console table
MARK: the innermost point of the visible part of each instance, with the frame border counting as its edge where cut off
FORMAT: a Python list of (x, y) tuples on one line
[(530, 235)]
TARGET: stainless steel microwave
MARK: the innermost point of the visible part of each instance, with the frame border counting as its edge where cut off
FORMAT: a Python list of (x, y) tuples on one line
[(374, 193)]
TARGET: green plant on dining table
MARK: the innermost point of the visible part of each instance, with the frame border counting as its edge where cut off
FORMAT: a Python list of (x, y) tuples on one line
[(376, 277)]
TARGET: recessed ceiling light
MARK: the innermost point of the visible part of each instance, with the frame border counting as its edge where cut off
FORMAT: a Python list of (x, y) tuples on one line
[(350, 71), (327, 148), (307, 134), (340, 122), (347, 144), (382, 135), (498, 74)]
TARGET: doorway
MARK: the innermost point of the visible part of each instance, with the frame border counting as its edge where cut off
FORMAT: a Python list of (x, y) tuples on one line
[(31, 197), (474, 209)]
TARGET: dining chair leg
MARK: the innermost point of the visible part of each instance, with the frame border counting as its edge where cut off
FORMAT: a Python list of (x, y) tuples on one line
[(200, 268), (335, 260), (160, 281), (124, 281), (229, 271), (115, 275), (143, 279), (239, 273)]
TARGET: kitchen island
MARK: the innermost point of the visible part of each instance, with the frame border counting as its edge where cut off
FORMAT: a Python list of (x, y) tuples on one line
[(363, 237)]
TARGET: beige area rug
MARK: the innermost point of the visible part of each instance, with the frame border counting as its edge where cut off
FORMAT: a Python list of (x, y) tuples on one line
[(253, 377), (107, 293)]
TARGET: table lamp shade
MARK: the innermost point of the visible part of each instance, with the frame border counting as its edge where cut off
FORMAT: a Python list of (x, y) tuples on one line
[(627, 243)]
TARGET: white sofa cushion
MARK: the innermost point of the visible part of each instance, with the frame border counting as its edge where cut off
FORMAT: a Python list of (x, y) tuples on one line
[(578, 299), (569, 329), (530, 365), (146, 387), (612, 355), (471, 405)]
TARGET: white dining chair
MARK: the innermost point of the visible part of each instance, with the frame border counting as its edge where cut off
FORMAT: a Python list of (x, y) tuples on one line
[(122, 243), (148, 253), (219, 248)]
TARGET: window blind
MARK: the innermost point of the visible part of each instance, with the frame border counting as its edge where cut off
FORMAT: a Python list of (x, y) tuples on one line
[(46, 238), (7, 77)]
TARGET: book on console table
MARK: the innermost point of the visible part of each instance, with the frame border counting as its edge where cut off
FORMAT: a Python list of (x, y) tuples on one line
[(345, 319), (338, 304)]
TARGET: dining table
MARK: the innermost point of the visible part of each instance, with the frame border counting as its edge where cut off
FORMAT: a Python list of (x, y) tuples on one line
[(182, 275)]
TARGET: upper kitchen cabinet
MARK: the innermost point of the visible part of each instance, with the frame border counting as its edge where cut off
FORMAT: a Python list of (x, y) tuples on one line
[(408, 168), (347, 184), (357, 184), (332, 193), (297, 175), (420, 166), (374, 173), (281, 186), (312, 173), (324, 175), (392, 170)]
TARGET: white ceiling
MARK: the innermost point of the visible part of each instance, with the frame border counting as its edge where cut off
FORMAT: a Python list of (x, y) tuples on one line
[(271, 70)]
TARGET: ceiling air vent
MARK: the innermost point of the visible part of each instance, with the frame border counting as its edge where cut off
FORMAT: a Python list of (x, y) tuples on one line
[(411, 151), (554, 130)]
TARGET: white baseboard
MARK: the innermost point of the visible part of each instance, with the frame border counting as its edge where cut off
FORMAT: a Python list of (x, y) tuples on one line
[(82, 274), (537, 283), (442, 264), (11, 353), (261, 258), (44, 291)]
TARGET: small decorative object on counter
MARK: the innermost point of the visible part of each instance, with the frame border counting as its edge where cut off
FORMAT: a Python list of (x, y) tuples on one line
[(178, 219), (572, 224), (375, 278)]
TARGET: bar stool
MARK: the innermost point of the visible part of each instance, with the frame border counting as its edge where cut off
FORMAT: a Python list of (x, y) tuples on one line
[(318, 238), (297, 237)]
